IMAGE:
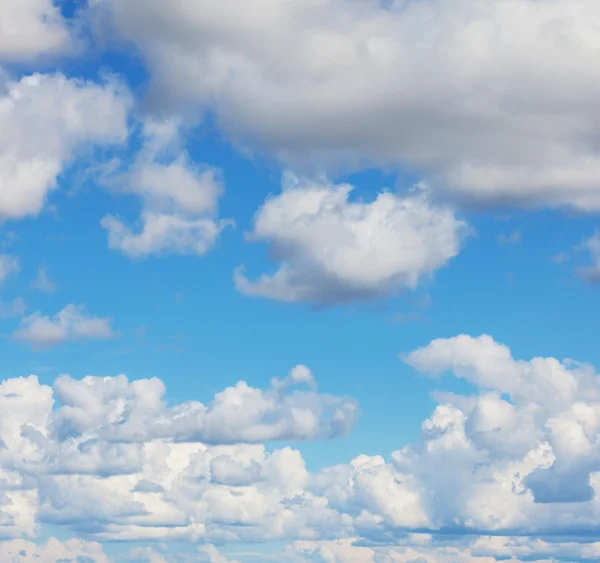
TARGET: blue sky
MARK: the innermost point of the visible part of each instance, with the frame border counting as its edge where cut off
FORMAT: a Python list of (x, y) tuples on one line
[(415, 218)]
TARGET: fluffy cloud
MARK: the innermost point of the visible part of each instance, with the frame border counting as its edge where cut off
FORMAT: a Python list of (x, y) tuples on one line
[(331, 249), (424, 548), (44, 120), (111, 461), (21, 551), (489, 101), (179, 199), (274, 414), (36, 28), (522, 454), (71, 323)]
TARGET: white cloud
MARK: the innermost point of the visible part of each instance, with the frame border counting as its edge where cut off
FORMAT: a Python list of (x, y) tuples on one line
[(489, 101), (210, 554), (237, 414), (179, 199), (69, 324), (44, 120), (112, 461), (8, 265), (527, 441), (520, 456), (76, 550), (424, 548), (162, 233), (36, 28), (331, 249)]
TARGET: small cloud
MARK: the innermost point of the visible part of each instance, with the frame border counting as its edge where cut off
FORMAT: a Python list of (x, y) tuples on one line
[(560, 257), (332, 249), (43, 283), (504, 239), (8, 265), (405, 318), (70, 324)]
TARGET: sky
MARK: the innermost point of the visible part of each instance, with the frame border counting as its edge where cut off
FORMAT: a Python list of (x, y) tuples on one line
[(299, 281)]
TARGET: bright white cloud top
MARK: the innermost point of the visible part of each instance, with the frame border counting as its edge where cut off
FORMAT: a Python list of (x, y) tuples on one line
[(335, 250)]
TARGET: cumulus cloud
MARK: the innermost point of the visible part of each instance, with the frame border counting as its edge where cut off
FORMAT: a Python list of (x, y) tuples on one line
[(108, 458), (280, 413), (424, 548), (76, 550), (179, 198), (527, 442), (44, 120), (69, 324), (332, 250), (489, 101), (36, 28)]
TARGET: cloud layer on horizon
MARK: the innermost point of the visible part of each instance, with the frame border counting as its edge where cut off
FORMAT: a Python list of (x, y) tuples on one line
[(520, 455)]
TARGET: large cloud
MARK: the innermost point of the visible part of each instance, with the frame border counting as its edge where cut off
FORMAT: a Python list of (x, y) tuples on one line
[(334, 250), (36, 28), (493, 472), (44, 120), (491, 101), (522, 454), (112, 460)]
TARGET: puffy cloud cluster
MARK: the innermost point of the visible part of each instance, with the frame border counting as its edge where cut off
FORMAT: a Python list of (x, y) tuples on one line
[(69, 324), (489, 101), (44, 120), (22, 551), (179, 198), (331, 249), (414, 548), (111, 460), (521, 454), (424, 548)]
